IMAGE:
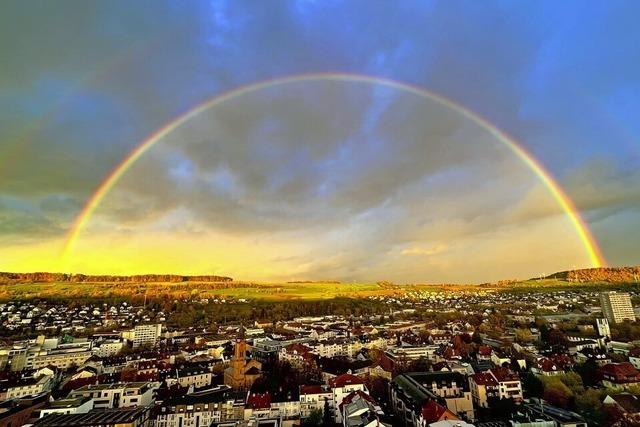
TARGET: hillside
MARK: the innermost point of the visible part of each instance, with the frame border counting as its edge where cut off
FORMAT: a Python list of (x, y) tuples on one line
[(602, 274)]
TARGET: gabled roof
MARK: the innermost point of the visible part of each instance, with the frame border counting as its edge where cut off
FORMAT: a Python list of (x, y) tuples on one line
[(433, 411), (628, 402), (344, 380), (484, 378)]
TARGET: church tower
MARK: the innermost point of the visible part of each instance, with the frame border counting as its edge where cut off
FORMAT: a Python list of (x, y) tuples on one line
[(242, 372)]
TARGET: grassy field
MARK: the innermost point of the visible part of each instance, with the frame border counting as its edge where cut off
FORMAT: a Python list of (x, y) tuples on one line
[(267, 291)]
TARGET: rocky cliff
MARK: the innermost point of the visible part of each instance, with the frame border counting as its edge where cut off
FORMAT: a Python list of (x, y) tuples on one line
[(83, 278), (603, 274)]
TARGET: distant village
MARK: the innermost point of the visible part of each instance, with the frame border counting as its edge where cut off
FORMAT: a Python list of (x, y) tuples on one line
[(438, 359)]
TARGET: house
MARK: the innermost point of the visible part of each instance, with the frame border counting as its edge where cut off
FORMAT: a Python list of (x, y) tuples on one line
[(432, 413), (509, 385), (190, 376), (342, 386), (416, 405), (452, 387), (29, 386), (619, 375), (21, 411), (78, 405), (315, 397), (361, 410), (200, 408), (634, 357), (298, 355), (484, 387), (118, 395), (628, 404)]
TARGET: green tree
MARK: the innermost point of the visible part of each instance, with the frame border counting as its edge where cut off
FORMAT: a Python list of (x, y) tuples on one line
[(314, 419), (532, 385)]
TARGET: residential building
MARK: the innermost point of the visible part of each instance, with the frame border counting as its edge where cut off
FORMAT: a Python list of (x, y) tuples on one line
[(313, 397), (619, 375), (617, 307), (361, 410), (603, 328), (119, 395), (146, 335), (122, 417), (77, 405), (200, 409)]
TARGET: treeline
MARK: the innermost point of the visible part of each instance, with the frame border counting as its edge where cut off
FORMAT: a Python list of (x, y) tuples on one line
[(44, 277), (184, 313)]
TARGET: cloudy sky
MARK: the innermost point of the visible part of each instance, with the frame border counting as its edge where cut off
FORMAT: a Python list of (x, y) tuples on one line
[(319, 179)]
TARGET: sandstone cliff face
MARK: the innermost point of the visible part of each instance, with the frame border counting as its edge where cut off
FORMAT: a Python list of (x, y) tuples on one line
[(83, 278), (613, 275)]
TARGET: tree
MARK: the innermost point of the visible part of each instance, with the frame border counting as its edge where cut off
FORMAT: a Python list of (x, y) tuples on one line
[(314, 419), (589, 404), (327, 415), (523, 335), (557, 393), (532, 385)]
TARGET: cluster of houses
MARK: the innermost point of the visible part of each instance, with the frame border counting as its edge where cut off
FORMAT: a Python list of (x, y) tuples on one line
[(326, 370)]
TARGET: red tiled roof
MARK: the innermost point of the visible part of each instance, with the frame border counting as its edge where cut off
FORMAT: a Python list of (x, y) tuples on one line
[(484, 350), (432, 412), (345, 379), (484, 378), (621, 372), (313, 389), (259, 400), (504, 374)]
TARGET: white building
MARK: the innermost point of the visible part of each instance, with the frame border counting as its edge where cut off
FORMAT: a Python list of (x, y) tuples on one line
[(603, 328), (79, 405), (146, 335), (617, 307), (119, 395)]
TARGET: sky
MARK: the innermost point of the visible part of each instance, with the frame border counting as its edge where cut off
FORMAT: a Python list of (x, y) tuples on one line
[(341, 179)]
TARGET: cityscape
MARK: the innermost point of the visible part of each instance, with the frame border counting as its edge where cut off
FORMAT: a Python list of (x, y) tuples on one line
[(319, 213)]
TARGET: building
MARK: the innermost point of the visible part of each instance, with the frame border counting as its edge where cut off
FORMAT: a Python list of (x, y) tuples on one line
[(484, 388), (603, 328), (78, 405), (242, 372), (619, 375), (627, 404), (190, 376), (119, 395), (415, 405), (509, 385), (201, 408), (452, 387), (315, 397), (146, 335), (361, 410), (541, 411), (616, 306), (129, 417), (342, 386), (29, 387), (18, 412)]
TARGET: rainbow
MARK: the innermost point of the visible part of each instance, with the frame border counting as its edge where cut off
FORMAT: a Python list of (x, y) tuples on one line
[(564, 202)]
